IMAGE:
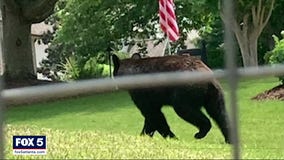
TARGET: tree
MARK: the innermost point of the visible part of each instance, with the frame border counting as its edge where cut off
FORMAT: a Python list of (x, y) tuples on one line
[(129, 20), (18, 15), (85, 29), (213, 33), (274, 27), (248, 23), (276, 56)]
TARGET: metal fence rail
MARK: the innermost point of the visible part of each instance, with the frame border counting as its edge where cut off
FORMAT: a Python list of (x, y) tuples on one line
[(61, 90)]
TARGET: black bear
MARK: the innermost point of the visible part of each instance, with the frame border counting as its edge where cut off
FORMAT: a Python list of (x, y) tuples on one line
[(186, 100)]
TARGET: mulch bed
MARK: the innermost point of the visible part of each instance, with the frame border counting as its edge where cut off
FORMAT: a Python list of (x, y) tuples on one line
[(26, 83), (276, 93), (29, 83)]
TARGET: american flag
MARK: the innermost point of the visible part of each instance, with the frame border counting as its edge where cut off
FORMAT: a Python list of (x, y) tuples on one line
[(168, 19)]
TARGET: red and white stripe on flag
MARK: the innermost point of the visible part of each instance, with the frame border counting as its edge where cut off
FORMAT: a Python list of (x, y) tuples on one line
[(168, 19)]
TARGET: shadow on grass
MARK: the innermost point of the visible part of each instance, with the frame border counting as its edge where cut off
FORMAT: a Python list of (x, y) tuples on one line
[(86, 105)]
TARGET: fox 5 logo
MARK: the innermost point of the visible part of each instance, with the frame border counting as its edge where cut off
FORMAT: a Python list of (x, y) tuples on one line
[(29, 142)]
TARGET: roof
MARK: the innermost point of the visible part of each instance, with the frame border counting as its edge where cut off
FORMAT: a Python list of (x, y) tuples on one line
[(158, 50), (39, 29)]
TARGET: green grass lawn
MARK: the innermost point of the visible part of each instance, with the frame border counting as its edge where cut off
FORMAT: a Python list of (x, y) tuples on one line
[(107, 126)]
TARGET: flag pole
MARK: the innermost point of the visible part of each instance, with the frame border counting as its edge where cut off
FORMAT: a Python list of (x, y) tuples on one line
[(167, 44), (167, 15)]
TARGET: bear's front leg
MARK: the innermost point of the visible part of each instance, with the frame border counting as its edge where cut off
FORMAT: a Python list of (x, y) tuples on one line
[(148, 129), (156, 121)]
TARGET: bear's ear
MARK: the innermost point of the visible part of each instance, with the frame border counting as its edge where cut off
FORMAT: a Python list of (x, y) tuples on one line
[(116, 63)]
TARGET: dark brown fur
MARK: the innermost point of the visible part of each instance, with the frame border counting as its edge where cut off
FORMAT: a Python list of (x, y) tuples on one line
[(160, 64), (186, 100)]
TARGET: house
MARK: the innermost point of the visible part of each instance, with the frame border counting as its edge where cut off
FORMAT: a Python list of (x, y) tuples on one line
[(158, 50), (37, 31)]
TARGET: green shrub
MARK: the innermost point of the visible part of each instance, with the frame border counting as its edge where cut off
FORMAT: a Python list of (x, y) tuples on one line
[(77, 68), (276, 56), (71, 69), (122, 55), (92, 69)]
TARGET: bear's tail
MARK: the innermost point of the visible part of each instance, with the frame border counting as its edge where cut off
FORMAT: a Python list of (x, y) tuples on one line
[(215, 107)]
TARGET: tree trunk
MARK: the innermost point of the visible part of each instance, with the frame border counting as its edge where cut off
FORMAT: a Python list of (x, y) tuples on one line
[(248, 29), (248, 47), (253, 52), (18, 16), (18, 60)]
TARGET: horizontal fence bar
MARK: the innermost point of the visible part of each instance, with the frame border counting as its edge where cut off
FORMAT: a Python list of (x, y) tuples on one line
[(64, 90)]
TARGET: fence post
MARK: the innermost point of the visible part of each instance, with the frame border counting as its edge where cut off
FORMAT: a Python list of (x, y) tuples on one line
[(232, 74), (1, 87), (1, 122)]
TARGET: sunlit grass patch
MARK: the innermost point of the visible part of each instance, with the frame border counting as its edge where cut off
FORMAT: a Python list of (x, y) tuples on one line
[(106, 126), (100, 145)]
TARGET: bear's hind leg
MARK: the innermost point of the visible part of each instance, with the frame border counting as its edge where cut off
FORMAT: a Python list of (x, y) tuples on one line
[(215, 107), (194, 116)]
